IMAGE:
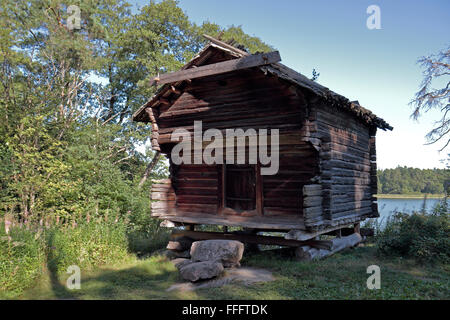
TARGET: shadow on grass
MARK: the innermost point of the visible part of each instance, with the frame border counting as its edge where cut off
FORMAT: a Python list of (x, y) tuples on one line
[(142, 279), (143, 245), (59, 290), (132, 283), (342, 276)]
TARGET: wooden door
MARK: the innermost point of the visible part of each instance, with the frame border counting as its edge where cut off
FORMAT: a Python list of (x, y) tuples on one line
[(240, 189)]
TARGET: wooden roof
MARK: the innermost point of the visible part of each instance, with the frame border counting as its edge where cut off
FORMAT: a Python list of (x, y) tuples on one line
[(275, 68)]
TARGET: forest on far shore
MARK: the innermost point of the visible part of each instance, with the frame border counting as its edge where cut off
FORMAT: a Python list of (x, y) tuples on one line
[(405, 180)]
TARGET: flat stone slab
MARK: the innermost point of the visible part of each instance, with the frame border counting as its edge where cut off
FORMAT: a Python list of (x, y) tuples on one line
[(195, 271), (228, 252), (246, 276)]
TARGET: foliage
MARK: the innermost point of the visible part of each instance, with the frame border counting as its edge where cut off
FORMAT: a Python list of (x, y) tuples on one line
[(425, 237), (69, 149), (315, 75), (143, 244), (22, 259), (404, 180), (436, 74), (88, 245), (70, 154), (27, 252)]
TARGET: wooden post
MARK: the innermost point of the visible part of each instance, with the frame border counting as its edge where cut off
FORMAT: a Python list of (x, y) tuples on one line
[(357, 228)]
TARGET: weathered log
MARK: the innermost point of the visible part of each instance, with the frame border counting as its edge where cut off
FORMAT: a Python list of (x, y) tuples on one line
[(168, 224), (162, 196), (335, 163), (364, 232), (302, 235), (163, 204), (245, 238), (220, 67), (307, 253), (312, 201), (312, 211)]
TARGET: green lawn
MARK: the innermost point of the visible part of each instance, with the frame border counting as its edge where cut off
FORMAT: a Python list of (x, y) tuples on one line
[(342, 276)]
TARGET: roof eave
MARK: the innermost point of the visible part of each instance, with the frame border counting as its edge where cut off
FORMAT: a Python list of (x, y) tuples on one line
[(281, 71)]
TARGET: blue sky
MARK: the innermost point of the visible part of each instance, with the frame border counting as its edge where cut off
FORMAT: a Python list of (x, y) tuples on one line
[(376, 67)]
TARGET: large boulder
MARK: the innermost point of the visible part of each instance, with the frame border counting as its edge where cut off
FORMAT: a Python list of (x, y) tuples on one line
[(227, 252), (179, 263), (201, 270), (181, 254)]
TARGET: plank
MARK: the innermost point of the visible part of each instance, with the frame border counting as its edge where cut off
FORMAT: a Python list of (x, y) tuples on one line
[(225, 45), (246, 238), (250, 61), (256, 222)]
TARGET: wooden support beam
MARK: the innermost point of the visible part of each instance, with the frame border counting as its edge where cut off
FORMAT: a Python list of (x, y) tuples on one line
[(307, 253), (302, 235), (250, 61), (169, 224), (246, 238), (164, 101), (268, 223), (364, 232), (225, 45), (174, 90)]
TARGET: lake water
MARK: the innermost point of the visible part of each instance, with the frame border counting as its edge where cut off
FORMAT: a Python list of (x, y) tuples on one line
[(388, 206)]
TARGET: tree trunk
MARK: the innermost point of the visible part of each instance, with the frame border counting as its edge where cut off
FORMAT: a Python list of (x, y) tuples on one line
[(149, 168)]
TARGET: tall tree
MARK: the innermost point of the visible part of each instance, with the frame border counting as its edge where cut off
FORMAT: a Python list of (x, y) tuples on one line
[(67, 145), (436, 74)]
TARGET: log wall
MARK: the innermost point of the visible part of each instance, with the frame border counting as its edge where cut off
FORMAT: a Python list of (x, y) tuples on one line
[(283, 192), (244, 99), (163, 198), (196, 188), (327, 173), (347, 167)]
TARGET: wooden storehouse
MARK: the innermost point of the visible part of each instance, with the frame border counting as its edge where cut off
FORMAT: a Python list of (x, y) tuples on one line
[(326, 178)]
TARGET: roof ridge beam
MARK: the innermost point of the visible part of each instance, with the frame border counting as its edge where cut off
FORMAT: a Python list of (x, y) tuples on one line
[(249, 61)]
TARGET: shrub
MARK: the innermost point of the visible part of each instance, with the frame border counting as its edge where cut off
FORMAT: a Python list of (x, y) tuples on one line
[(425, 237), (88, 245), (145, 243), (145, 235), (22, 259), (24, 254)]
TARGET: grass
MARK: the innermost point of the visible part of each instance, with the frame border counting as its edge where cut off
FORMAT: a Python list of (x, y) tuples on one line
[(26, 254), (410, 196), (342, 276)]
